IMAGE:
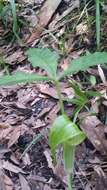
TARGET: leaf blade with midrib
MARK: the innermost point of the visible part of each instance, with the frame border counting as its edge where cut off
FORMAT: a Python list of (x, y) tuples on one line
[(45, 59), (85, 62), (21, 77)]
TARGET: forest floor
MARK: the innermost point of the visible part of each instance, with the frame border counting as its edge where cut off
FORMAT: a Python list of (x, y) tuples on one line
[(28, 110)]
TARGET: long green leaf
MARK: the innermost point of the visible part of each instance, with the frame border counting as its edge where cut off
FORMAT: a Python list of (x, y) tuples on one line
[(84, 62), (78, 91), (98, 23), (45, 59), (65, 131), (15, 22), (21, 77)]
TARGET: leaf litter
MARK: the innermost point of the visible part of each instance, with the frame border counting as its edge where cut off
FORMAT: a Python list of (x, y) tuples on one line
[(27, 111)]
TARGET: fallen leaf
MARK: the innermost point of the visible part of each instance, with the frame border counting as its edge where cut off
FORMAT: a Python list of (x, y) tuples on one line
[(26, 159), (3, 151), (101, 73), (5, 181), (38, 123), (74, 4), (4, 133), (44, 17), (35, 178), (24, 183), (47, 11), (16, 133), (88, 186), (8, 183), (101, 178), (43, 112), (51, 91), (10, 167), (52, 114), (15, 57), (47, 187), (4, 125), (94, 130), (2, 184), (14, 159), (25, 95), (47, 154)]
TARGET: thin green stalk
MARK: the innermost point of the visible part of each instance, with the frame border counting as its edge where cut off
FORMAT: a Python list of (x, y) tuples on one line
[(15, 22), (33, 142), (60, 96), (69, 179), (69, 156), (15, 25), (98, 24), (76, 114)]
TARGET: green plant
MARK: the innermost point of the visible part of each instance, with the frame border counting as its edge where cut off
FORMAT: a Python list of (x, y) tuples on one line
[(1, 5), (98, 24), (15, 22), (7, 10), (82, 98), (3, 64), (4, 12), (67, 134), (63, 131)]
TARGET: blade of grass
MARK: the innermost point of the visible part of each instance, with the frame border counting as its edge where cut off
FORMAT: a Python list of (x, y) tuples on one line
[(15, 22), (33, 142), (98, 24)]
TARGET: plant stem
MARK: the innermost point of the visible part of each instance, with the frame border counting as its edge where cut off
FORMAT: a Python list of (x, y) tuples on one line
[(58, 89), (69, 182), (69, 156), (98, 24), (15, 22)]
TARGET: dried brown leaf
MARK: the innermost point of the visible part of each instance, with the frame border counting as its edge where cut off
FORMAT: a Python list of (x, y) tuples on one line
[(5, 132), (94, 130), (2, 184), (24, 183), (101, 178), (15, 57), (45, 15), (4, 126), (43, 112), (36, 178), (5, 182), (74, 4), (38, 123), (46, 187), (8, 183), (26, 159), (101, 73), (51, 91), (17, 132), (14, 159), (52, 114), (10, 167), (47, 154)]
